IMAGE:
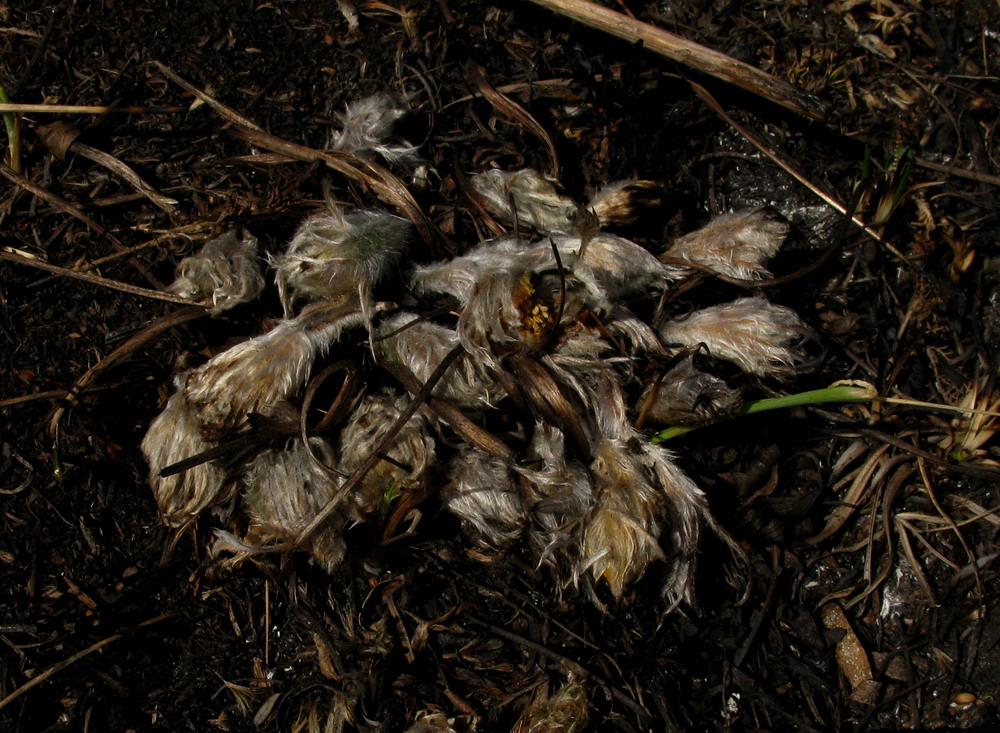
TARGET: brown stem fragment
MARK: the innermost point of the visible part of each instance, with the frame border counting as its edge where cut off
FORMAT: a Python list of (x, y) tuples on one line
[(691, 54)]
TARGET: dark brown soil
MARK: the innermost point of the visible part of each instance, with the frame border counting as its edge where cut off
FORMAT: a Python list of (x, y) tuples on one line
[(909, 563)]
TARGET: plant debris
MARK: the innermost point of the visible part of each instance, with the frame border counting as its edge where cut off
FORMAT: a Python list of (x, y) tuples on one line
[(441, 271)]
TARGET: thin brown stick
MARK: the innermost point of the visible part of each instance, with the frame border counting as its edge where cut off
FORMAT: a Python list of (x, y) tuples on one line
[(59, 666), (382, 447), (123, 171), (58, 203), (86, 109), (518, 114), (6, 254), (50, 394), (952, 170), (472, 433), (365, 173), (228, 112), (690, 54)]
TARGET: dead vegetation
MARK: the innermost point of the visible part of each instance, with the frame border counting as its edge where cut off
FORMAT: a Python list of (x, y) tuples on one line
[(866, 596)]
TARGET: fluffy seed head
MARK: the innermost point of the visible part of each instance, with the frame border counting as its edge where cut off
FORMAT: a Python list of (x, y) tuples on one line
[(173, 436), (756, 335), (225, 269), (618, 203), (420, 346), (525, 198), (410, 453), (336, 254), (283, 492), (483, 494), (258, 375), (736, 245), (367, 128)]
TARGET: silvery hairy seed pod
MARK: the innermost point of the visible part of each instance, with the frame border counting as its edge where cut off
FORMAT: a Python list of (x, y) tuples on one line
[(367, 126), (410, 451), (566, 711), (614, 266), (638, 492), (759, 337), (558, 490), (735, 245), (336, 254), (284, 490), (618, 203), (685, 395), (610, 266), (174, 435), (258, 375), (430, 721), (458, 276), (225, 269), (482, 492), (526, 198), (421, 345)]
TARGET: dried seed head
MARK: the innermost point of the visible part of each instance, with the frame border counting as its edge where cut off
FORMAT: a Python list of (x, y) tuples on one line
[(756, 335), (367, 128), (618, 203), (285, 490), (685, 395), (430, 721), (735, 245), (258, 375), (173, 436), (410, 452), (421, 345), (526, 198), (613, 266), (564, 712), (559, 492), (621, 536), (336, 254), (637, 489), (483, 494), (225, 270)]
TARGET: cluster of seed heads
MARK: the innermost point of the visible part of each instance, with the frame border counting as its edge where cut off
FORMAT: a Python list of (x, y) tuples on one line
[(510, 386)]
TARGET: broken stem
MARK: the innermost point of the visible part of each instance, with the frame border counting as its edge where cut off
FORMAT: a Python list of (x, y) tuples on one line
[(689, 53)]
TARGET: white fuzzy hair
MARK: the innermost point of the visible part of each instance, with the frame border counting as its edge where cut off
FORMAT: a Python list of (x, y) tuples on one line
[(367, 126), (256, 376), (173, 436), (559, 491), (283, 492), (753, 333), (334, 254), (736, 245), (226, 270), (483, 494), (421, 346), (412, 450), (638, 491), (526, 198), (610, 266)]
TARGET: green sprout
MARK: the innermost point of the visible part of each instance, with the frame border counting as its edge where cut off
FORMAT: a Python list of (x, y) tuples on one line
[(849, 392)]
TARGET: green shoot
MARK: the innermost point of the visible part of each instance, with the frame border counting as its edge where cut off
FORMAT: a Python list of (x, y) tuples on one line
[(852, 392)]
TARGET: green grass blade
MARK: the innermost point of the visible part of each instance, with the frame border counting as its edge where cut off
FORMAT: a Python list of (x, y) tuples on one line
[(836, 393)]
